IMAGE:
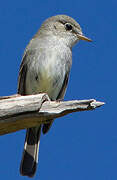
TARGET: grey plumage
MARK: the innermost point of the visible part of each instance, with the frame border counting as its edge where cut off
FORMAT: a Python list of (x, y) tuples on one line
[(45, 67)]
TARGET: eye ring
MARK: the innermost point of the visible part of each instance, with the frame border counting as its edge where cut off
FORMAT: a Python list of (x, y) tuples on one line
[(68, 27)]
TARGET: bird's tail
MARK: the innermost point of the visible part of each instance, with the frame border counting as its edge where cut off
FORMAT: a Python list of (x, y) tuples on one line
[(30, 154)]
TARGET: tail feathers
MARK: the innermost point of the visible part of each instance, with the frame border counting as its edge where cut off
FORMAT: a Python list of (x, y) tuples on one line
[(30, 154)]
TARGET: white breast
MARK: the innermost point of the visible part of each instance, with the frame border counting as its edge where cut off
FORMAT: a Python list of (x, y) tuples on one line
[(47, 71)]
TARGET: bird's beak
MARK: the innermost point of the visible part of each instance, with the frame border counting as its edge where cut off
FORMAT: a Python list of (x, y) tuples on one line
[(82, 37)]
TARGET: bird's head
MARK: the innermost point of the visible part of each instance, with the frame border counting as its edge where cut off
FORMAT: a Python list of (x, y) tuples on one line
[(64, 27)]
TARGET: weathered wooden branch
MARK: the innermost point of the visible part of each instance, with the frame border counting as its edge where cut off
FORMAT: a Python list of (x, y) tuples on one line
[(20, 112)]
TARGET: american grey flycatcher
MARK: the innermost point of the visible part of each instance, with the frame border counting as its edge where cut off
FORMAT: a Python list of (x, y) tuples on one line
[(45, 68)]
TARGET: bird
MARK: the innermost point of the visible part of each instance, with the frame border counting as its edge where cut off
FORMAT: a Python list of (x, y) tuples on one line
[(45, 68)]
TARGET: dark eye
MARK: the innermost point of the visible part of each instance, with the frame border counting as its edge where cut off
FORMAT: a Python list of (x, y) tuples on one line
[(68, 26)]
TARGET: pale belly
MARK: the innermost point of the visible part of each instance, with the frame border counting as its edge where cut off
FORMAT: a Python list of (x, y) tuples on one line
[(48, 79), (47, 71)]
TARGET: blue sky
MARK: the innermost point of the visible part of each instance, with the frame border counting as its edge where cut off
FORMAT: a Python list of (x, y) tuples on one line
[(81, 145)]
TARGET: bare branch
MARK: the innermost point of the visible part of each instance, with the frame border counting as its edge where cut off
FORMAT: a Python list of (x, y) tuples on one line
[(20, 112)]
